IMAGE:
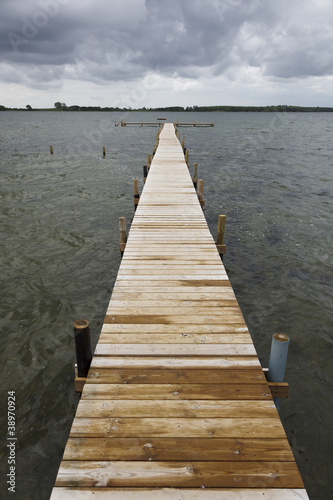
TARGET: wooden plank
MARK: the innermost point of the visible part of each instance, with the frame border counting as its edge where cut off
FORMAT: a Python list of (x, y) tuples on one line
[(175, 329), (177, 494), (178, 449), (144, 375), (178, 427), (175, 350), (180, 408), (165, 319), (177, 391), (185, 474), (204, 362), (175, 338)]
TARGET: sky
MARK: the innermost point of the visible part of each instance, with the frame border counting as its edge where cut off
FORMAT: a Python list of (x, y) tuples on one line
[(135, 53)]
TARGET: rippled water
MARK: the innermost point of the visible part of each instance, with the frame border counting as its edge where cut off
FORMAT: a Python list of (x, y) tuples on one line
[(271, 174)]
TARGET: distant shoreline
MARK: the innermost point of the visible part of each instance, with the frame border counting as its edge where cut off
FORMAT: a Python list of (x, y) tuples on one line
[(196, 109)]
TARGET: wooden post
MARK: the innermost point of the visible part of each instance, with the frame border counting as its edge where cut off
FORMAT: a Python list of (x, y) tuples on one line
[(221, 248), (51, 150), (122, 234), (145, 172), (195, 175), (149, 160), (201, 192), (103, 151), (183, 141), (82, 346), (136, 193), (186, 158)]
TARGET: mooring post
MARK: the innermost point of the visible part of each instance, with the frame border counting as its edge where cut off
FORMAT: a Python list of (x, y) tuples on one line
[(122, 234), (82, 346), (136, 193), (278, 360), (103, 151), (148, 164), (186, 158), (195, 175), (221, 248), (145, 172), (201, 192), (51, 150), (183, 141)]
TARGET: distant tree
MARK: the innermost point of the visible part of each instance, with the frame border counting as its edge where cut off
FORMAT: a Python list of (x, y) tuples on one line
[(2, 108), (57, 105), (29, 108)]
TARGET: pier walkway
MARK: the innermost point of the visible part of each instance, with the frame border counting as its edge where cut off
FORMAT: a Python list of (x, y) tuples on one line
[(176, 405)]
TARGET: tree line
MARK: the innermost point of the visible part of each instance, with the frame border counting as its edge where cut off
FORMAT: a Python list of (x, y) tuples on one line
[(61, 106)]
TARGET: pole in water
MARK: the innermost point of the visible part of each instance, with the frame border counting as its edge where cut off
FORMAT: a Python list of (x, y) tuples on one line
[(122, 234), (278, 360), (136, 193), (183, 141), (201, 192), (186, 158), (82, 346), (145, 172), (195, 175), (51, 150), (103, 151), (220, 236)]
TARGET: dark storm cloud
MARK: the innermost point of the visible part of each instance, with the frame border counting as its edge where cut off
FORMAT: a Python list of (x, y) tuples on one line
[(104, 41)]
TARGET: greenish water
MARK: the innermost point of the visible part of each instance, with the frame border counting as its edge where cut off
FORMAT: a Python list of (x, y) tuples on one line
[(271, 174)]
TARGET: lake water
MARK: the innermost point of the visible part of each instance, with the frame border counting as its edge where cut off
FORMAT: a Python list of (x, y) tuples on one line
[(271, 174)]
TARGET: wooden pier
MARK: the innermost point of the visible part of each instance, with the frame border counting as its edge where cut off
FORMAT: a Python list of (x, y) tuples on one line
[(160, 122), (176, 404)]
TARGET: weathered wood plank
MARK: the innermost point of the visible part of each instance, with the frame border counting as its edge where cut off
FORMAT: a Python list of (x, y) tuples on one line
[(180, 408), (175, 494), (175, 329), (178, 449), (177, 391), (178, 427), (175, 350), (106, 375), (174, 338), (185, 474), (204, 362)]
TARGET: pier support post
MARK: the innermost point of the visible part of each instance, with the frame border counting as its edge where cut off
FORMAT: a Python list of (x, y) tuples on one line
[(136, 193), (195, 175), (278, 360), (51, 150), (221, 248), (122, 234), (183, 141), (201, 192), (103, 151), (145, 172), (82, 346), (186, 158)]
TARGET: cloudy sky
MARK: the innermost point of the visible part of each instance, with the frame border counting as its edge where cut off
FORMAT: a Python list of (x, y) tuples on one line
[(166, 52)]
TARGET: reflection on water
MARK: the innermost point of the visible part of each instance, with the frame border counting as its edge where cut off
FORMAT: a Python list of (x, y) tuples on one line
[(270, 174)]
